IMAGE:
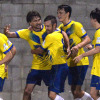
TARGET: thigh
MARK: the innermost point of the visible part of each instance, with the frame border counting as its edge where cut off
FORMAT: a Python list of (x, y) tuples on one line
[(95, 82), (59, 74), (46, 76), (77, 75), (34, 77)]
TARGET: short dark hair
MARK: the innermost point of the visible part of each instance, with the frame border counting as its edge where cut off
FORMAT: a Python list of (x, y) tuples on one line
[(66, 8), (52, 18), (95, 14), (31, 15)]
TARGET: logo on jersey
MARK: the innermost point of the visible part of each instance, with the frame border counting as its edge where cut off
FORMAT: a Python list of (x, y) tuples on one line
[(9, 43), (98, 40), (83, 31), (5, 46)]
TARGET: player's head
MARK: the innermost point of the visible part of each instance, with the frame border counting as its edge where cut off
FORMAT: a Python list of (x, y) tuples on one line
[(34, 19), (50, 23), (95, 17), (64, 12)]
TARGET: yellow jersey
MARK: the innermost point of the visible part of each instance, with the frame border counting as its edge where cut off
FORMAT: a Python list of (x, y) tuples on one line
[(35, 39), (76, 33), (5, 47), (96, 58), (55, 45)]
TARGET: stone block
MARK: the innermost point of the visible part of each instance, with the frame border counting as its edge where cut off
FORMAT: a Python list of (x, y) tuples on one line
[(78, 10), (22, 1), (16, 85), (17, 96), (11, 9)]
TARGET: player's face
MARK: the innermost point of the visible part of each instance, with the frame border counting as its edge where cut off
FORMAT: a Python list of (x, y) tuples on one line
[(48, 26), (62, 15), (36, 22)]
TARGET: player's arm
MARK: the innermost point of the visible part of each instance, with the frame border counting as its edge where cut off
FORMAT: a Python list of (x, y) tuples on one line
[(37, 51), (81, 33), (8, 33), (13, 51), (66, 41), (7, 58), (88, 53)]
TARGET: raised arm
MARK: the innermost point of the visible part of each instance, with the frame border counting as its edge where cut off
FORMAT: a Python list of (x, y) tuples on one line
[(8, 33)]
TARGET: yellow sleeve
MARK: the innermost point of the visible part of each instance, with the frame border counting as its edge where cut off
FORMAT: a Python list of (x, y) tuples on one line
[(7, 40), (23, 33), (79, 30), (97, 38), (47, 42), (4, 46)]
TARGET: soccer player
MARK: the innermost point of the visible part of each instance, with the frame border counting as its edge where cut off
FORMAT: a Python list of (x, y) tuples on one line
[(95, 81), (7, 52), (78, 39), (55, 45), (41, 65)]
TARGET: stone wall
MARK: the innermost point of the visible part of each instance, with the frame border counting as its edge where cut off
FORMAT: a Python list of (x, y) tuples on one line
[(14, 12)]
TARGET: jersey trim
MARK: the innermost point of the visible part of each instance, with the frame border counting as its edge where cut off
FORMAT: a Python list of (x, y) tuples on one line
[(84, 35), (17, 35), (67, 23), (97, 45), (8, 49)]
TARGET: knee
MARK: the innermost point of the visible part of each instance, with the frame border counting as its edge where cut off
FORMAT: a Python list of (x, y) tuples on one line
[(27, 91), (93, 95)]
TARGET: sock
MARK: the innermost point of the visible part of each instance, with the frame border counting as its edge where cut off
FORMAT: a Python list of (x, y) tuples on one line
[(86, 96), (1, 99), (98, 98), (58, 97)]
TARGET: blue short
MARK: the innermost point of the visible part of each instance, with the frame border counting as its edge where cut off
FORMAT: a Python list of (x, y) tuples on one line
[(1, 84), (76, 75), (36, 76), (95, 82), (58, 77)]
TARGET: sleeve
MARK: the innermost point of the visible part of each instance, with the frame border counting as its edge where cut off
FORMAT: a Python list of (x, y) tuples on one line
[(97, 38), (23, 33), (4, 46), (7, 40), (47, 42), (79, 30)]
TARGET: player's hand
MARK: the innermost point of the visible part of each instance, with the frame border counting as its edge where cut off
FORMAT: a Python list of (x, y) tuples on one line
[(30, 28), (68, 53), (74, 51), (78, 58), (32, 51), (7, 29), (6, 68), (88, 46)]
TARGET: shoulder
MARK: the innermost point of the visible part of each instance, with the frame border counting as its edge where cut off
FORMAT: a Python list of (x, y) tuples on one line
[(77, 24)]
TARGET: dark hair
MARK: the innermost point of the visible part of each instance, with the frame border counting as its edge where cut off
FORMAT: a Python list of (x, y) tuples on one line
[(52, 18), (95, 14), (31, 15), (66, 8)]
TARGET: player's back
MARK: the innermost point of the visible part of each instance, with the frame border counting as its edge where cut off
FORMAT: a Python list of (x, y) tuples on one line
[(56, 49)]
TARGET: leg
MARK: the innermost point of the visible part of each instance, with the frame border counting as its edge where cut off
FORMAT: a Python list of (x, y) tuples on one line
[(95, 87), (94, 93), (27, 92), (58, 77)]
